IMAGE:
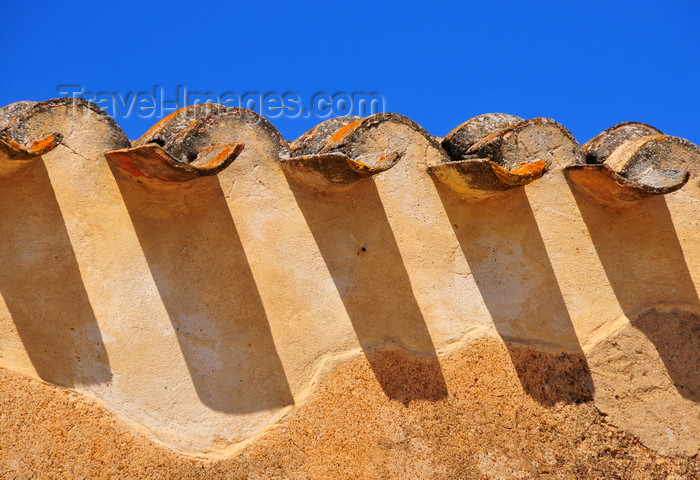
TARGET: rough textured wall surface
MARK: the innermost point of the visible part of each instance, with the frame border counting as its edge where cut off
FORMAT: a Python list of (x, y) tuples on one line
[(487, 427), (201, 283)]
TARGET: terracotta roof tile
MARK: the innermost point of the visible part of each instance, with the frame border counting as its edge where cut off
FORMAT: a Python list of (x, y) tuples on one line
[(482, 156), (630, 161)]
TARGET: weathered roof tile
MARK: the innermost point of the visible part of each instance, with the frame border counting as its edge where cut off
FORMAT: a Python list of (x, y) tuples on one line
[(487, 154), (630, 161)]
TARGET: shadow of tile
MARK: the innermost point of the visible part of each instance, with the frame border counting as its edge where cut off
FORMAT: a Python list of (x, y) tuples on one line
[(676, 336), (205, 282), (639, 249), (358, 246), (42, 286), (503, 246)]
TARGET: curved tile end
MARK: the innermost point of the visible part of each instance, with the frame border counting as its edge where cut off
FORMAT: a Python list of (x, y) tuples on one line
[(482, 177), (488, 156), (631, 161), (324, 156), (335, 169), (153, 163), (603, 183), (14, 155)]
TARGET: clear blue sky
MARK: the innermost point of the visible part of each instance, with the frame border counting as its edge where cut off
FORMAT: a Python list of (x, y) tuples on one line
[(587, 64)]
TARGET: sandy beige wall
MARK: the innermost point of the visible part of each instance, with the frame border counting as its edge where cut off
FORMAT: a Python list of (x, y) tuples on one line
[(487, 427), (204, 312)]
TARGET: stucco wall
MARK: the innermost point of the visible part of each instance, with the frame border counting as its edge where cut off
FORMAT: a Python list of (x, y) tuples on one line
[(202, 312)]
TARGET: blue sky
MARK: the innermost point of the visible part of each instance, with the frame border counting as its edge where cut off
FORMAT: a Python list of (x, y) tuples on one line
[(587, 64)]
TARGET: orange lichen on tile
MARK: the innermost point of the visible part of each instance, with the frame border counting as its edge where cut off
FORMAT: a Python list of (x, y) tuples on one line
[(38, 147), (345, 130), (522, 174)]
